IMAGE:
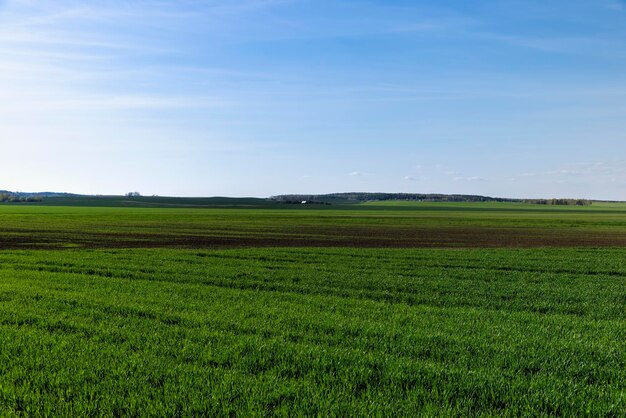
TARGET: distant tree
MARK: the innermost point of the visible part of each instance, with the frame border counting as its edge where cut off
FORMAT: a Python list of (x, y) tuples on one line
[(560, 202), (13, 198), (133, 194)]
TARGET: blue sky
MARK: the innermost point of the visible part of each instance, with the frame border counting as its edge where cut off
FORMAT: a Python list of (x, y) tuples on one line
[(262, 97)]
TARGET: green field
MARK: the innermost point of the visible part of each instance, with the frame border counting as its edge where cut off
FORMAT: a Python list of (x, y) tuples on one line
[(366, 225), (374, 309)]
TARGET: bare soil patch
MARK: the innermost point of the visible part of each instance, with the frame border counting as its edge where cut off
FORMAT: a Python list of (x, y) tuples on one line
[(340, 236)]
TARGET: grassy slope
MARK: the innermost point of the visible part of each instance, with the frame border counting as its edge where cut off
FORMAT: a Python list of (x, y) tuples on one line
[(328, 331)]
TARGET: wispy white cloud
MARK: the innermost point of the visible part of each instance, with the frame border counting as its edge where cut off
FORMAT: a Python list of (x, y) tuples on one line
[(72, 57), (470, 178), (590, 170), (449, 24), (566, 45), (107, 102), (616, 5)]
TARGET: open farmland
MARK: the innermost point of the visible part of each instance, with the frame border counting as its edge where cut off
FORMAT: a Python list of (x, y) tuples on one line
[(388, 309), (386, 224)]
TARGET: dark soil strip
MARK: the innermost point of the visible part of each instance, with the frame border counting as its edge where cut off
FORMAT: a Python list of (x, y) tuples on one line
[(366, 237)]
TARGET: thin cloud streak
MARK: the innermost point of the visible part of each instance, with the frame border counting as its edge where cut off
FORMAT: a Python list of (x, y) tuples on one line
[(108, 102)]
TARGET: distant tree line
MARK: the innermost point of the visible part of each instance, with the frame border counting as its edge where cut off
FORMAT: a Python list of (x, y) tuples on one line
[(562, 202), (304, 202), (339, 198), (11, 198), (365, 197)]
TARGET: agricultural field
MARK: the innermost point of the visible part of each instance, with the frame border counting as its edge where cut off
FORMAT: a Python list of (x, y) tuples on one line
[(403, 225), (386, 309)]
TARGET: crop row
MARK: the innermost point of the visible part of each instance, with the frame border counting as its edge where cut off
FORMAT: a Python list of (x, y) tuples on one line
[(326, 331)]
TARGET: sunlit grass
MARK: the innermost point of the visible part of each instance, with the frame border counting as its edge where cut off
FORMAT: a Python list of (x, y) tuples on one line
[(313, 331)]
